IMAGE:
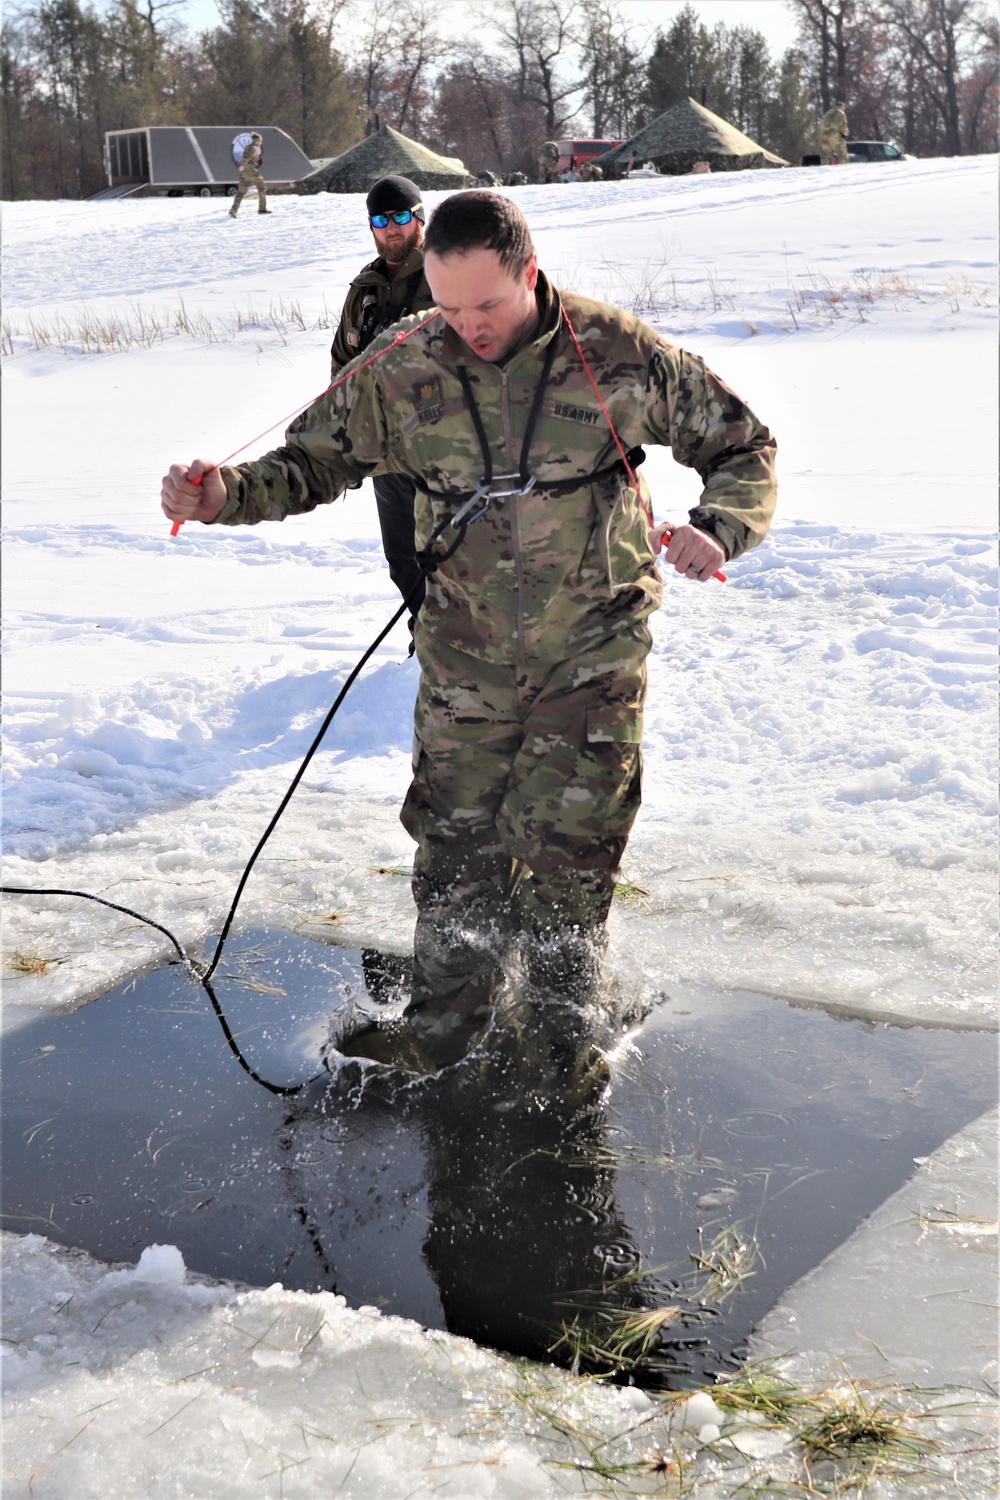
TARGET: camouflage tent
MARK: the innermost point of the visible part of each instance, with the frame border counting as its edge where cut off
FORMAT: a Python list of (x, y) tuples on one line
[(685, 134), (383, 152)]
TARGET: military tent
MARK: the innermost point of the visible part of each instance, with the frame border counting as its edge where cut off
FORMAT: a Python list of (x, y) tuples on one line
[(383, 152), (685, 134)]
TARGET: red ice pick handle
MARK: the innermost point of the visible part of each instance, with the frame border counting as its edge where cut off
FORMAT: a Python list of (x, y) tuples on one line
[(175, 528), (665, 536)]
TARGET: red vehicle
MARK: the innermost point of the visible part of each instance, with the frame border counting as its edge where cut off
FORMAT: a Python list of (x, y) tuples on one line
[(573, 154)]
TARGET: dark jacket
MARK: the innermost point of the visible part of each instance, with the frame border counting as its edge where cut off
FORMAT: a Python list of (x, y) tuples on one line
[(373, 302)]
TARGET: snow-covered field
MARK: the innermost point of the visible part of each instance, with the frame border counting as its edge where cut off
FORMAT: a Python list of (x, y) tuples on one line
[(820, 788)]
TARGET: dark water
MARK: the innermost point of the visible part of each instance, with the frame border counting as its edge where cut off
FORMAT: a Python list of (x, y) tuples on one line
[(468, 1203)]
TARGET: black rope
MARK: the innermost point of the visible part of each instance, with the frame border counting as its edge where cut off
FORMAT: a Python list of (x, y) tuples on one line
[(27, 890), (428, 561), (284, 1089)]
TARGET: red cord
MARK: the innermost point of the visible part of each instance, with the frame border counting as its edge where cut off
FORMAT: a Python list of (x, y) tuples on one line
[(669, 530), (400, 338)]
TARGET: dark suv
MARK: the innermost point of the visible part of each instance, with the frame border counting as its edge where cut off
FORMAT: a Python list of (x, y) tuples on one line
[(875, 151)]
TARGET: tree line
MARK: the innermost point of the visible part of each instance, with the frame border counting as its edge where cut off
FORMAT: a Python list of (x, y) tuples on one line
[(921, 72)]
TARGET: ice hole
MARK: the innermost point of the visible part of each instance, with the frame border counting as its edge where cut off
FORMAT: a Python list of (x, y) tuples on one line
[(740, 1141)]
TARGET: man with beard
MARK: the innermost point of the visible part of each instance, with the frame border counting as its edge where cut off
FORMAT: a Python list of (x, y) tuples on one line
[(391, 287)]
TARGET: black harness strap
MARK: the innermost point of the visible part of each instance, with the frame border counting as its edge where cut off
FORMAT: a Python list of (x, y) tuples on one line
[(635, 456), (477, 423), (536, 407), (523, 471)]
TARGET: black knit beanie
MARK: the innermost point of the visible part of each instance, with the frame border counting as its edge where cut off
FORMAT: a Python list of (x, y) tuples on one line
[(390, 194)]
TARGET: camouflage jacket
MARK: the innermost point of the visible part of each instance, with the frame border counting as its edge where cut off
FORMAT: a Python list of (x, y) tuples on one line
[(373, 302), (544, 575), (833, 126), (252, 159)]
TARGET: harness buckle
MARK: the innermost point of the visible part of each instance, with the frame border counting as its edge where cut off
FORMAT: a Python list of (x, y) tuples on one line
[(485, 493)]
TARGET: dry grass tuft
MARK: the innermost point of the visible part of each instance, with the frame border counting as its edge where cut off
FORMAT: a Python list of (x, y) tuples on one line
[(89, 332), (853, 1428), (26, 961), (610, 1339)]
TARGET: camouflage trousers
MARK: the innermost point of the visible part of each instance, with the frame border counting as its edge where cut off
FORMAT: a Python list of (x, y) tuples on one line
[(833, 147), (525, 786), (248, 180)]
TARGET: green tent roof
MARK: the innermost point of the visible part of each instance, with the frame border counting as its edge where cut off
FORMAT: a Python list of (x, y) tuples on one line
[(383, 152), (688, 133)]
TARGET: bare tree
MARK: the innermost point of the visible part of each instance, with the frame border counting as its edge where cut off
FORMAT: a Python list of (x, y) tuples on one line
[(940, 34), (536, 34), (980, 94), (826, 25), (613, 72), (393, 62), (420, 48), (472, 114)]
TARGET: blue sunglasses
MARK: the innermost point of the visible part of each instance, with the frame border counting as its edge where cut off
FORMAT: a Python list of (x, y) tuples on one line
[(381, 221)]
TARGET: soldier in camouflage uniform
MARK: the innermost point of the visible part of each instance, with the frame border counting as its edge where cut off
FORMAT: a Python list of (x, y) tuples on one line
[(548, 162), (250, 176), (389, 288), (833, 136), (533, 638), (590, 173)]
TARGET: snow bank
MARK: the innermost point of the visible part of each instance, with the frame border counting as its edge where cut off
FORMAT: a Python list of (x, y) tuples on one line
[(818, 819), (819, 805), (147, 1381)]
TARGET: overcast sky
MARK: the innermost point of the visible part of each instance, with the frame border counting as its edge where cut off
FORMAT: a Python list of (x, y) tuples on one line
[(772, 17)]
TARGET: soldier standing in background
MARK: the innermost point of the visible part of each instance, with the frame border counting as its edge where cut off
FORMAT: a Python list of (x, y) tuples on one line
[(389, 288), (548, 161), (533, 637), (250, 176), (833, 136)]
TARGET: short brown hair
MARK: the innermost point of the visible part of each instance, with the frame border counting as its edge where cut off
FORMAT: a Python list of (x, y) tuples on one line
[(479, 220)]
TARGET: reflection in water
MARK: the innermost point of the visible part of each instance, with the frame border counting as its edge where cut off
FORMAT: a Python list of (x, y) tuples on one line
[(523, 1220), (525, 1239)]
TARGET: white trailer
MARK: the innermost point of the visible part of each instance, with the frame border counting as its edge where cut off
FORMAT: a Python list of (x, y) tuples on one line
[(177, 159)]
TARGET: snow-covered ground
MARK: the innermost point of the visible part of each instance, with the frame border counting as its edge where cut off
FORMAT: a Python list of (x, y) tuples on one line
[(820, 791)]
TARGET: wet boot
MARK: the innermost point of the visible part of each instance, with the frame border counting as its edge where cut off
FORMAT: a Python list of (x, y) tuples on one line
[(392, 1044), (448, 1023), (546, 1048)]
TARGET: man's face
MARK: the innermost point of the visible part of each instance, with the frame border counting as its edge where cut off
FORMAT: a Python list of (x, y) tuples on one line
[(395, 241), (492, 309)]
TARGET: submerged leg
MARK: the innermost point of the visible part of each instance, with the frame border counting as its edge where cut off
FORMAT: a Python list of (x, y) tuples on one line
[(563, 917), (463, 928)]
